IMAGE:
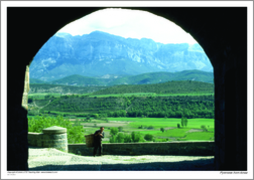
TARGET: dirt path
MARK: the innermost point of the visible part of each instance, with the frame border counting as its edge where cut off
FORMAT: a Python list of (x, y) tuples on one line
[(195, 130)]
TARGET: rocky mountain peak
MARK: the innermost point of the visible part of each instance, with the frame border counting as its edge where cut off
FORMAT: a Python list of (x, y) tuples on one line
[(100, 53)]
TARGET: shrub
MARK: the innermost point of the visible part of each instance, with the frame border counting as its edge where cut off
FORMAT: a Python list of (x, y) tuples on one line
[(120, 138), (120, 128), (204, 128), (148, 137), (136, 137), (184, 121), (113, 131), (127, 138), (96, 116), (178, 125), (162, 129), (77, 123), (113, 139), (156, 140), (150, 127), (75, 134)]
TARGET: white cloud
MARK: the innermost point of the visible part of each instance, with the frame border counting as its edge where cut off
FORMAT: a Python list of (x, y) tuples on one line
[(130, 23)]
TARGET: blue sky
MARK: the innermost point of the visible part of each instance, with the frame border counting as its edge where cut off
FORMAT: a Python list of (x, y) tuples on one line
[(130, 23)]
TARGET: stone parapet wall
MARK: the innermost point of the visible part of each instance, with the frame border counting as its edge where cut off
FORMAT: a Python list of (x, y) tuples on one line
[(171, 148), (202, 148), (53, 137), (80, 149), (35, 139)]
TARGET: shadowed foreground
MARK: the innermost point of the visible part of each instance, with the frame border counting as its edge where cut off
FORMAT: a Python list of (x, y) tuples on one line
[(45, 159)]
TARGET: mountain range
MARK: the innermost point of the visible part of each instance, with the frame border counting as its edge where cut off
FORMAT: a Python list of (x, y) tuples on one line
[(147, 78), (100, 54)]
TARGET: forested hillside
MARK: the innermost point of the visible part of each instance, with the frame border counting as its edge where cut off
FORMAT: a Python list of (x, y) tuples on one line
[(147, 78), (51, 88), (172, 87), (164, 88), (159, 77), (150, 106)]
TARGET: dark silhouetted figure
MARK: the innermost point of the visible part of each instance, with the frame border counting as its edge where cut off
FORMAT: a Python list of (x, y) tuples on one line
[(98, 135)]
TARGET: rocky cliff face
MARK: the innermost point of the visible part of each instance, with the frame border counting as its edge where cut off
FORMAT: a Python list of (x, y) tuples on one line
[(100, 53)]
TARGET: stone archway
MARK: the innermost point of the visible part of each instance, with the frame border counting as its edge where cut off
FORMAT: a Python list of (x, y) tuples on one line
[(222, 32)]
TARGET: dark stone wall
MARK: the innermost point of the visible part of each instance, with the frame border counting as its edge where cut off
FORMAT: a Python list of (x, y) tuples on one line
[(171, 148), (80, 149), (222, 32)]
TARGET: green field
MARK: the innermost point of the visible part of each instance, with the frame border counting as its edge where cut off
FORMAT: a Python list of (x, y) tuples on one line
[(192, 132), (154, 109), (165, 122)]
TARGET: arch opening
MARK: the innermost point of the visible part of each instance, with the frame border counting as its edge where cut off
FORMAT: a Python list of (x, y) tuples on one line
[(129, 110), (226, 50)]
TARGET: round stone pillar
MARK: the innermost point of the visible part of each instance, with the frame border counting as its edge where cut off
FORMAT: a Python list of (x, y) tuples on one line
[(55, 137)]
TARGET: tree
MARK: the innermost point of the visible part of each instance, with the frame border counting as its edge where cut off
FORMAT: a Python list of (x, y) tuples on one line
[(113, 139), (120, 138), (178, 125), (127, 138), (96, 116), (150, 127), (162, 129), (120, 128), (184, 121), (148, 137), (136, 137), (204, 128), (140, 127), (113, 131), (88, 117)]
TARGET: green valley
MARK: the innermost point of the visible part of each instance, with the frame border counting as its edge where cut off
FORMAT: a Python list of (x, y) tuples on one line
[(149, 112)]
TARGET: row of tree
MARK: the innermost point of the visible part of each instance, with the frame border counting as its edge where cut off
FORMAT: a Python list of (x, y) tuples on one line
[(132, 106), (174, 87), (119, 137)]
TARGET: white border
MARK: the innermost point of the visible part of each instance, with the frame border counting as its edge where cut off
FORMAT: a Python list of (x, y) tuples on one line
[(124, 174), (250, 88), (125, 3), (3, 90)]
